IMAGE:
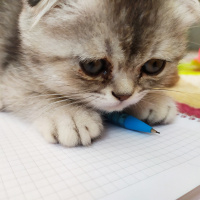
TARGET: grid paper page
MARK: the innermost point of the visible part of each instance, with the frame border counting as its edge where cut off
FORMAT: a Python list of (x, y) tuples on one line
[(32, 169)]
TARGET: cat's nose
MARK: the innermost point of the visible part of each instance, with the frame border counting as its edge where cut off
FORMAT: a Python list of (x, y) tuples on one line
[(121, 97)]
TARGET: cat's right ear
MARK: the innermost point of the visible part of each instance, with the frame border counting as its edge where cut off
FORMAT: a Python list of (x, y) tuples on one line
[(38, 8), (33, 3)]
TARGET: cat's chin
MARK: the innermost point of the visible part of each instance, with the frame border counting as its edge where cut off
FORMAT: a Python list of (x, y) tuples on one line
[(113, 108), (116, 107)]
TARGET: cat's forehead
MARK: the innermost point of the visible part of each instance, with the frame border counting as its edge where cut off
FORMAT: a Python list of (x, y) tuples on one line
[(123, 29), (135, 29)]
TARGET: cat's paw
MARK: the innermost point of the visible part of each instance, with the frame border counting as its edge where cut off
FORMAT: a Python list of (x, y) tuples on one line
[(70, 127), (155, 108)]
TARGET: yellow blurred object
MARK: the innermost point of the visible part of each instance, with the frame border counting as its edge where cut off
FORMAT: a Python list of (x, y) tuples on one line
[(190, 68), (187, 90)]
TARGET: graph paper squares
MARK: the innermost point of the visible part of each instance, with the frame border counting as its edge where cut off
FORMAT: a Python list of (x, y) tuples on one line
[(32, 169)]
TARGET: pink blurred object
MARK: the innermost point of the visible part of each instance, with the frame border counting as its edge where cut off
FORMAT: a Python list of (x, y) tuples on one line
[(198, 58), (188, 110)]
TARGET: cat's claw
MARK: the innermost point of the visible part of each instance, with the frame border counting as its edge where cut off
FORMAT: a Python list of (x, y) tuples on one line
[(70, 128), (156, 108)]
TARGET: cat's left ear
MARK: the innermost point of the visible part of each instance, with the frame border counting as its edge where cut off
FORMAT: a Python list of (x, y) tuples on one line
[(189, 11)]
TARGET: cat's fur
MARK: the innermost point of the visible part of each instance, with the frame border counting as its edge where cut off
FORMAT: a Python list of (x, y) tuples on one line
[(41, 79)]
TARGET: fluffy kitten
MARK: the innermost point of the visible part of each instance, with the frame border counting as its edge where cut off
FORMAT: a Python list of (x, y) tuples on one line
[(62, 62)]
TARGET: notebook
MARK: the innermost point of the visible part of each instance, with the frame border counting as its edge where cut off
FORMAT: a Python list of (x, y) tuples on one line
[(120, 165)]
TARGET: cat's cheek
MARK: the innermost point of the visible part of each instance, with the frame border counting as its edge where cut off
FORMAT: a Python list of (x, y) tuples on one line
[(1, 103)]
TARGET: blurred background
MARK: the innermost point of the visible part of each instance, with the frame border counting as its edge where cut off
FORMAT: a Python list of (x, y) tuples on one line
[(194, 37), (187, 91)]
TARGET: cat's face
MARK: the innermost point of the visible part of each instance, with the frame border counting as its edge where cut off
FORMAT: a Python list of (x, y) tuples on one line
[(106, 53)]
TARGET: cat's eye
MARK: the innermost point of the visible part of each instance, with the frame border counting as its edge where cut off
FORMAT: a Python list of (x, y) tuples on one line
[(153, 67), (94, 68)]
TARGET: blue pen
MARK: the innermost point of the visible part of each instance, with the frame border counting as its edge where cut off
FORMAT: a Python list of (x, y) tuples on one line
[(129, 122)]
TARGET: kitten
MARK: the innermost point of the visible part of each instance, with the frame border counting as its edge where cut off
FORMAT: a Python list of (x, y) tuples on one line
[(63, 62)]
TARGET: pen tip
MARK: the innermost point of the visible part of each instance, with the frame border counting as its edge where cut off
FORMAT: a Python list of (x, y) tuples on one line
[(154, 131)]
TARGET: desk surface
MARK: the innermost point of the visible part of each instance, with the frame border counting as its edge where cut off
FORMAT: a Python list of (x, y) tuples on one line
[(192, 195)]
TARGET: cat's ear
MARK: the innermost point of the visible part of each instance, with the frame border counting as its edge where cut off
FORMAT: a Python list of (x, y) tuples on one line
[(33, 3), (39, 8), (189, 11)]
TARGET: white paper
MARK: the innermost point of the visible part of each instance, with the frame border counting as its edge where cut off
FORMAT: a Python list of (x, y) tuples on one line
[(120, 165)]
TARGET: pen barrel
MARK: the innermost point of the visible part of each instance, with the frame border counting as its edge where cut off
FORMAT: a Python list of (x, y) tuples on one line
[(129, 122), (116, 118), (135, 124)]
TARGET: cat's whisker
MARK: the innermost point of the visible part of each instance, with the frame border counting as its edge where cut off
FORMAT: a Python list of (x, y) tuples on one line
[(55, 105), (148, 101), (80, 106), (194, 27), (48, 96), (195, 43), (172, 90), (23, 85), (184, 95), (31, 98), (44, 94), (59, 107), (77, 107)]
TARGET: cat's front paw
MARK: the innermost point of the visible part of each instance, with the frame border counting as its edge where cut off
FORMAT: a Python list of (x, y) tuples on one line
[(70, 127), (154, 108)]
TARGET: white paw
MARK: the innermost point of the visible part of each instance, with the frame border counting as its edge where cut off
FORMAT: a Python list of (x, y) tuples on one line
[(70, 127), (156, 108)]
